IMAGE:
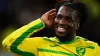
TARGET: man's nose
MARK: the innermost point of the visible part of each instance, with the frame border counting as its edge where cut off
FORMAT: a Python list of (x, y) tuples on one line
[(62, 21)]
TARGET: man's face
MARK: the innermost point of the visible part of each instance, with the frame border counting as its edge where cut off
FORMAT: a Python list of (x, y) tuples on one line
[(66, 21)]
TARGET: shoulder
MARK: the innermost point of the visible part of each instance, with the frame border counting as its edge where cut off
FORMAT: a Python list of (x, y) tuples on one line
[(40, 39), (34, 39), (88, 42)]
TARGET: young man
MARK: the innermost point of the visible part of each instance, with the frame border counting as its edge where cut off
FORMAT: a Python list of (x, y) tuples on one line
[(65, 20)]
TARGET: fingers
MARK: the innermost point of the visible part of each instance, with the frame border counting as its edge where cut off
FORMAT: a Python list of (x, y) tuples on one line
[(53, 14), (51, 11)]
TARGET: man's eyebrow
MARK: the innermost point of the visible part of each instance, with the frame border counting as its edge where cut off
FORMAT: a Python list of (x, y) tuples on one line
[(68, 17), (59, 15)]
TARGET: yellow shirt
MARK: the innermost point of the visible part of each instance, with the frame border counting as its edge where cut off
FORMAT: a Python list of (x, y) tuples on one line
[(19, 43)]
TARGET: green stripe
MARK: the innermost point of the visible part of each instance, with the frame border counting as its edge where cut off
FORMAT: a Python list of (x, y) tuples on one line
[(67, 42), (53, 51), (91, 47), (47, 39), (14, 45)]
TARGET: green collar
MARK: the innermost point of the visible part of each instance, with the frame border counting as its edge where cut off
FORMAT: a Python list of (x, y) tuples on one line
[(56, 40), (69, 42)]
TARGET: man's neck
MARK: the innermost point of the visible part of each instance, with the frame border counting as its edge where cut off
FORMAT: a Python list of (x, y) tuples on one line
[(67, 38)]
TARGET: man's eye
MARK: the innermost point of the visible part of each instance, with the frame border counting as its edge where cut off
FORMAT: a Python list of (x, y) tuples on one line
[(69, 20), (58, 17)]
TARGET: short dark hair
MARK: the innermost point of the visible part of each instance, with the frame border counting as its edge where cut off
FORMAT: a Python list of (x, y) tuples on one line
[(78, 6)]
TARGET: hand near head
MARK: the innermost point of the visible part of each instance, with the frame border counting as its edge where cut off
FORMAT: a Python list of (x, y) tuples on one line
[(48, 18)]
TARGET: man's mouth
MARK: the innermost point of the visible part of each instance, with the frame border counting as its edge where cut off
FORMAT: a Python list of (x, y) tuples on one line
[(61, 29)]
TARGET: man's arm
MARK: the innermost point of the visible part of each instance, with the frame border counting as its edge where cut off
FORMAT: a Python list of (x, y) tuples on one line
[(19, 37), (15, 39)]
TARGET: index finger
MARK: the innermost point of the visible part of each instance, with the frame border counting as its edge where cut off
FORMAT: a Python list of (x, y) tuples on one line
[(51, 11)]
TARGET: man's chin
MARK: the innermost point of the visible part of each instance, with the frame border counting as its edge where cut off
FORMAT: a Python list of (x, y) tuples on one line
[(61, 34)]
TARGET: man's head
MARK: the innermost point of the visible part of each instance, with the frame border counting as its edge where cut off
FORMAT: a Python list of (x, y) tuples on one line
[(68, 18)]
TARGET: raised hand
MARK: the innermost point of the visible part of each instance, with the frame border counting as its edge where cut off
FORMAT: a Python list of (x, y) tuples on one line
[(48, 18)]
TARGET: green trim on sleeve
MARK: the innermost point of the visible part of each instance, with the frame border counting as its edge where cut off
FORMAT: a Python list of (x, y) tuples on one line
[(14, 45)]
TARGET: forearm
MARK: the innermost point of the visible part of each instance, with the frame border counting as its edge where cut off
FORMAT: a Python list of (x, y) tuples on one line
[(15, 38)]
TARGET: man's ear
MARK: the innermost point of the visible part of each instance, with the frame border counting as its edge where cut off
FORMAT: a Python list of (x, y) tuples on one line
[(77, 25)]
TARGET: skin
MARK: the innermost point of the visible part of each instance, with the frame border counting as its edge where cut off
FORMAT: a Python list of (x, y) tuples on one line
[(65, 22)]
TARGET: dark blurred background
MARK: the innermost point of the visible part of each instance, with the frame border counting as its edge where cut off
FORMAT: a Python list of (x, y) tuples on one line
[(16, 13)]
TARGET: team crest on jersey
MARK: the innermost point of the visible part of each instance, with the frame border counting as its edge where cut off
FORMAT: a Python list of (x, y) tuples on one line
[(80, 50)]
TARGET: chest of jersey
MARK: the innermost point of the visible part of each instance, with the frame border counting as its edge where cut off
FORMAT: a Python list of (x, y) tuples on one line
[(51, 49)]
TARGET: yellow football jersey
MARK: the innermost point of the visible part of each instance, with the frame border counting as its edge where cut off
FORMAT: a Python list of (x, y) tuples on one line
[(19, 43)]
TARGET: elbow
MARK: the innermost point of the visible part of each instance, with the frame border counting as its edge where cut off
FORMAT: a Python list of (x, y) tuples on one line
[(6, 44)]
